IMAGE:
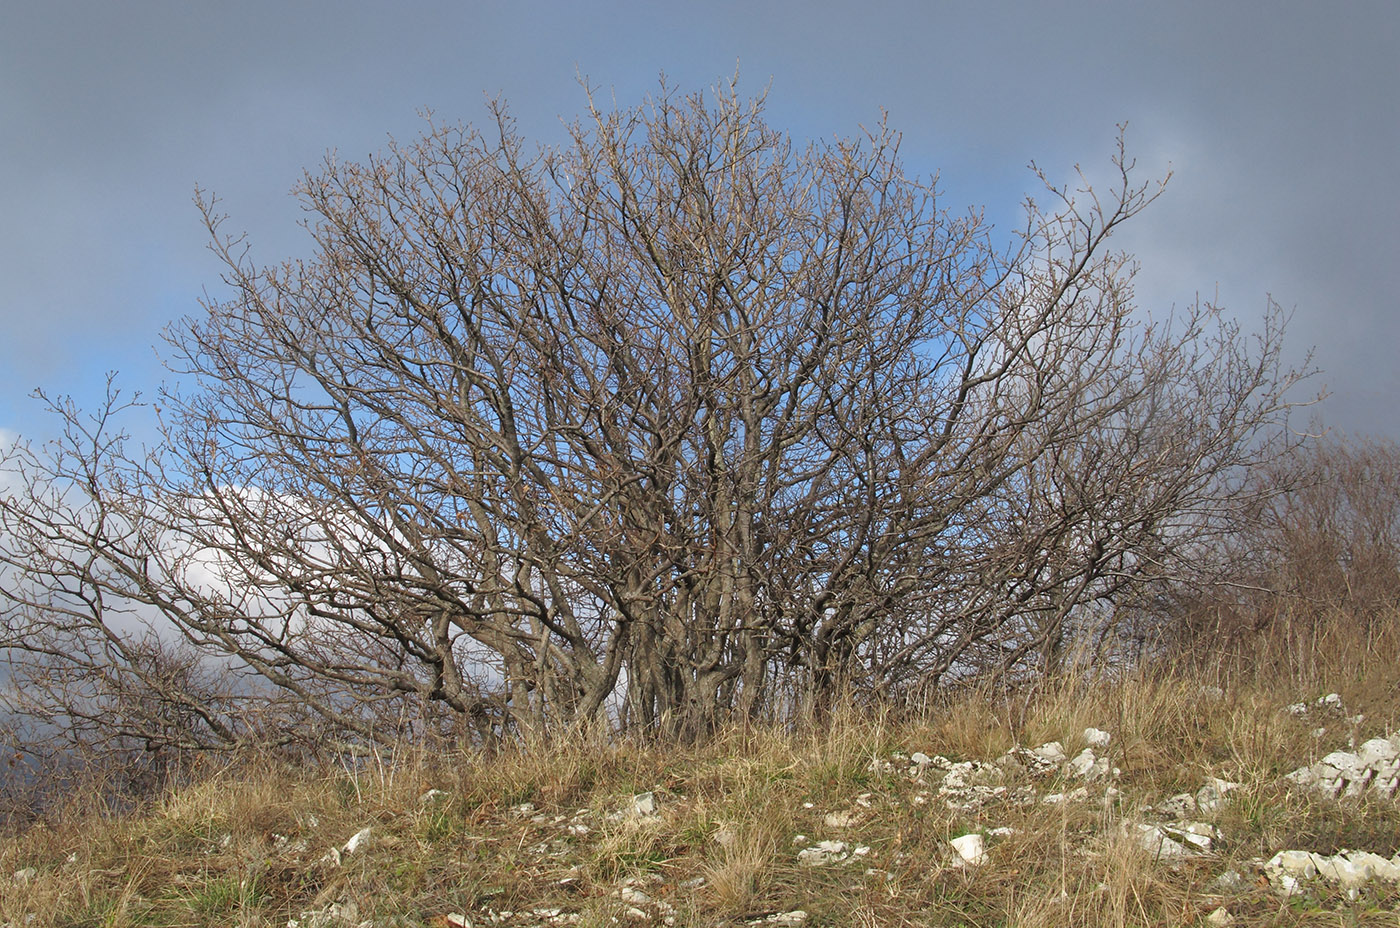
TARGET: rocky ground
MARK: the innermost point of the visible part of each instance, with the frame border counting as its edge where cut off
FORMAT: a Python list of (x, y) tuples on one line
[(1153, 803)]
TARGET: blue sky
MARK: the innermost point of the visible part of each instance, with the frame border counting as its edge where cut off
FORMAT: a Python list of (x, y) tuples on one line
[(1281, 122)]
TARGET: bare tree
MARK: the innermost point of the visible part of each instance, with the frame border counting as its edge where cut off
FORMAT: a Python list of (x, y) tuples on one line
[(675, 424), (1317, 552)]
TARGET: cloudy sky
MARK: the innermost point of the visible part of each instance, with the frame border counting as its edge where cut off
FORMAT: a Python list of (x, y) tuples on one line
[(1280, 121)]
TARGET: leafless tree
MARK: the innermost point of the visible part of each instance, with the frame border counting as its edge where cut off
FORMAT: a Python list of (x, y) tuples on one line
[(675, 424), (1318, 552)]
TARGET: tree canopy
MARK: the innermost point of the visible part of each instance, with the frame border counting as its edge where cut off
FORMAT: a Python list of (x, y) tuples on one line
[(679, 423)]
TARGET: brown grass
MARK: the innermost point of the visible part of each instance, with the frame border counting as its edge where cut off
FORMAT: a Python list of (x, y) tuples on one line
[(244, 845)]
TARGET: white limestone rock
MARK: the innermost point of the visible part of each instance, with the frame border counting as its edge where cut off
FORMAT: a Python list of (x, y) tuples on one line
[(357, 840), (1350, 874), (335, 915), (1196, 835), (1179, 840), (1229, 881), (1181, 806), (1214, 794), (971, 850), (1156, 841), (1029, 761), (1378, 751), (1297, 864), (1097, 738), (1380, 867), (1052, 752), (823, 853), (1087, 766)]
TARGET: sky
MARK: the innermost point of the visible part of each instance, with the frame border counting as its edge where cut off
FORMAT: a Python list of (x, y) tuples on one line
[(1279, 121)]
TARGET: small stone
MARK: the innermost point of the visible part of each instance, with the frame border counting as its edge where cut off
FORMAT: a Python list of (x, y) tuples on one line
[(357, 841), (1220, 918), (431, 795), (335, 915), (644, 804), (26, 875), (1097, 738), (1229, 881), (1193, 834), (843, 819), (794, 919), (822, 853), (1298, 864), (1211, 796), (1087, 766), (1051, 751), (1156, 841), (1182, 805), (634, 896), (971, 850), (456, 920), (919, 759)]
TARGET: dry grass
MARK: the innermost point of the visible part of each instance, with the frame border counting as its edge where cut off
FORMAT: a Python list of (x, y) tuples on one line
[(245, 846)]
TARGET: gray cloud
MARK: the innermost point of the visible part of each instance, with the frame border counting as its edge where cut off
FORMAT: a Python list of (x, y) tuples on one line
[(1280, 123)]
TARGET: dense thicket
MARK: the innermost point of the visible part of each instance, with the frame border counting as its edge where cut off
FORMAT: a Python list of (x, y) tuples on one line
[(676, 424)]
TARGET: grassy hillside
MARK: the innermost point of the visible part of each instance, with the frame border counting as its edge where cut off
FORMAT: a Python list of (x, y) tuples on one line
[(564, 833)]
